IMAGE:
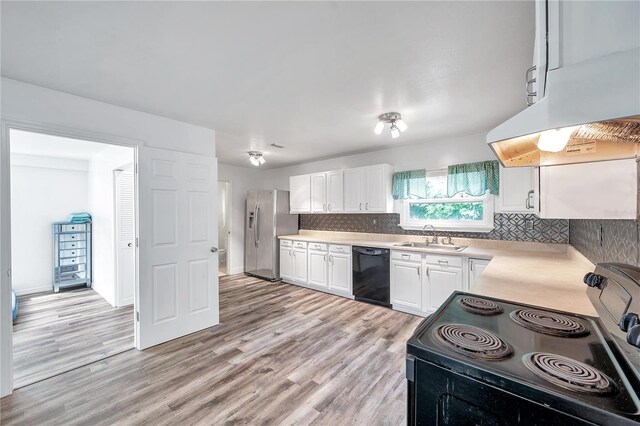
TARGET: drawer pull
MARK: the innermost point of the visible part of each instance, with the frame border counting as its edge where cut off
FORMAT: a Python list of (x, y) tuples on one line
[(405, 256), (444, 262)]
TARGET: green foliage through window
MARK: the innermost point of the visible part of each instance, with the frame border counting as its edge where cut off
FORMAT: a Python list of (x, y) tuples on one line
[(447, 211)]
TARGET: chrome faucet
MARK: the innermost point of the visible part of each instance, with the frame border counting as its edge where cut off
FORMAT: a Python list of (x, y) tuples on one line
[(435, 234)]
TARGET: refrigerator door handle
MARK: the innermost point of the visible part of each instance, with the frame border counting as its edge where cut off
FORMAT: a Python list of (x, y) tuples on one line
[(256, 229)]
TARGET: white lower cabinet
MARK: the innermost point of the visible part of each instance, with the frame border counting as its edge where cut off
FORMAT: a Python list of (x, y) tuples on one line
[(340, 273), (476, 268), (420, 283), (318, 268), (406, 284)]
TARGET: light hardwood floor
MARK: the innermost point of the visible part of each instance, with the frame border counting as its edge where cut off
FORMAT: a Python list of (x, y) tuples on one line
[(281, 355), (58, 332)]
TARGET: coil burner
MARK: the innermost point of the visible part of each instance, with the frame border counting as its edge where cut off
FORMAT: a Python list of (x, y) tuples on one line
[(479, 306), (549, 323), (472, 342), (568, 373)]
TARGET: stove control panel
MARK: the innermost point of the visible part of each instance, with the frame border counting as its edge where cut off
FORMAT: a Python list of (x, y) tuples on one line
[(595, 280), (629, 324)]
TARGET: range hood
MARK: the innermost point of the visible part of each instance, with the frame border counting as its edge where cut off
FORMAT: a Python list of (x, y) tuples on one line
[(595, 104)]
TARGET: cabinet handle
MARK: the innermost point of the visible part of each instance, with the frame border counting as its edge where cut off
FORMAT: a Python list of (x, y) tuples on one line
[(330, 258), (360, 206), (324, 207), (405, 256), (529, 80), (325, 257), (529, 195), (329, 206), (443, 262), (471, 265), (427, 271), (418, 269), (366, 206)]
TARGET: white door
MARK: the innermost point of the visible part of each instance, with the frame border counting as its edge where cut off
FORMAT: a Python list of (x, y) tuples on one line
[(335, 192), (376, 198), (125, 237), (340, 273), (406, 284), (319, 193), (318, 268), (300, 266), (286, 263), (354, 190), (300, 194), (441, 282), (476, 268), (178, 279), (516, 190)]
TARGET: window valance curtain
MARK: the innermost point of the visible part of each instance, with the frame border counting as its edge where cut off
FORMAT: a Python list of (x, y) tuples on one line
[(410, 184), (474, 178)]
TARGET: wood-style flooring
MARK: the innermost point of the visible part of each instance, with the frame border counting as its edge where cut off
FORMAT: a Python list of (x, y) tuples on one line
[(58, 332), (282, 354)]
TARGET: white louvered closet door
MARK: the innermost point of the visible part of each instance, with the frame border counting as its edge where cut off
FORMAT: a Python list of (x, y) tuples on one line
[(125, 237)]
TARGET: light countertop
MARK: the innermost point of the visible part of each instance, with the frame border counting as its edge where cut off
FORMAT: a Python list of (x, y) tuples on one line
[(546, 275)]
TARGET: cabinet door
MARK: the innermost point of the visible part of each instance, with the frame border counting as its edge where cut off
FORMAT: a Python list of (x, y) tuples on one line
[(517, 193), (376, 199), (300, 265), (476, 268), (318, 268), (441, 282), (340, 273), (286, 263), (354, 190), (406, 284), (319, 193), (335, 192), (300, 194), (537, 77)]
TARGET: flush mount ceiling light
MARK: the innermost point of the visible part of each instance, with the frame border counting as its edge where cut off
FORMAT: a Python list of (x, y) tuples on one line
[(393, 118), (256, 158)]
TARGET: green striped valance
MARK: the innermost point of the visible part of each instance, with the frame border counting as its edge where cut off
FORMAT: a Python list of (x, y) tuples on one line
[(410, 184), (474, 178)]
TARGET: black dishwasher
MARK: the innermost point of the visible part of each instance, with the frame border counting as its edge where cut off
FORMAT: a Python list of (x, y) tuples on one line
[(371, 275)]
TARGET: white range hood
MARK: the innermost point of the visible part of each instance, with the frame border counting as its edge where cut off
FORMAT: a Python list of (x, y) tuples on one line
[(599, 99)]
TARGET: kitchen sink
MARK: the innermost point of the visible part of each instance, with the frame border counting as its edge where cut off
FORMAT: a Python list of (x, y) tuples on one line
[(443, 247)]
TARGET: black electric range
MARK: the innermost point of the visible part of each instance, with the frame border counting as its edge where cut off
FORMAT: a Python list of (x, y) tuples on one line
[(484, 361)]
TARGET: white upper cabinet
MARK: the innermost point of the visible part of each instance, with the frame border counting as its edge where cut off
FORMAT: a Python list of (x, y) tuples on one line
[(601, 190), (300, 194), (319, 193), (335, 192), (354, 190), (537, 74), (359, 190), (518, 190)]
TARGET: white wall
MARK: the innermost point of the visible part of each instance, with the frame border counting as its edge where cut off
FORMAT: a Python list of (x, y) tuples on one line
[(43, 190), (242, 179), (102, 209), (32, 107), (429, 155)]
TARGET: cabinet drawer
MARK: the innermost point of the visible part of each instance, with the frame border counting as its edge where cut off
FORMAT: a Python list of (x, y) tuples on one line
[(76, 227), (72, 261), (73, 237), (406, 256), (452, 261), (72, 253), (340, 249), (317, 246), (286, 243), (73, 245), (300, 244)]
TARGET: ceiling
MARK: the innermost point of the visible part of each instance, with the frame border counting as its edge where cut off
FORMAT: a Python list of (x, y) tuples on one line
[(30, 143), (312, 76)]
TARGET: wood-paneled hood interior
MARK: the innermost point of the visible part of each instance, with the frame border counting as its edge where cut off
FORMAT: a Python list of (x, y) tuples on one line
[(600, 141)]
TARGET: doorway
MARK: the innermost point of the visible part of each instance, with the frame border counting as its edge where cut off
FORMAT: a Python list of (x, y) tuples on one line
[(224, 227), (73, 287)]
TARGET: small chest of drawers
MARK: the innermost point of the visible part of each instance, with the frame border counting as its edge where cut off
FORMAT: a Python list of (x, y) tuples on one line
[(71, 255)]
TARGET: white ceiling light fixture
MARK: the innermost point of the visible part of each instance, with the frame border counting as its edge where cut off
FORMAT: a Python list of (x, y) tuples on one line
[(395, 119), (555, 140), (256, 158)]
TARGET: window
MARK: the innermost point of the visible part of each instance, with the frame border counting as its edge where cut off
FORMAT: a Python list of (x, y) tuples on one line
[(458, 213)]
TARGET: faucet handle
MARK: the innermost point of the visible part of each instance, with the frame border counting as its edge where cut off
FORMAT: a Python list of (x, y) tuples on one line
[(434, 240), (449, 240)]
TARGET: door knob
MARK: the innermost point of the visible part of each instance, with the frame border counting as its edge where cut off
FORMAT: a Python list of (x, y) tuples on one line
[(214, 249)]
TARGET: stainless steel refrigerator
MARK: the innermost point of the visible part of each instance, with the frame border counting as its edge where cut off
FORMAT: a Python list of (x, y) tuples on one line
[(267, 218)]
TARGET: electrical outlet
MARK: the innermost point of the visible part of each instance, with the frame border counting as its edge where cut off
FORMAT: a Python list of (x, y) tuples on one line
[(375, 221), (528, 225)]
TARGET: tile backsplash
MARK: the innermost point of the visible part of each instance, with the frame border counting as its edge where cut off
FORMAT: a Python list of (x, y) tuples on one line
[(508, 226), (619, 243)]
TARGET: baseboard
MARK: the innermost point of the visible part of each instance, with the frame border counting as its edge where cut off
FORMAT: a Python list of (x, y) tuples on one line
[(125, 302), (237, 270), (32, 290)]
